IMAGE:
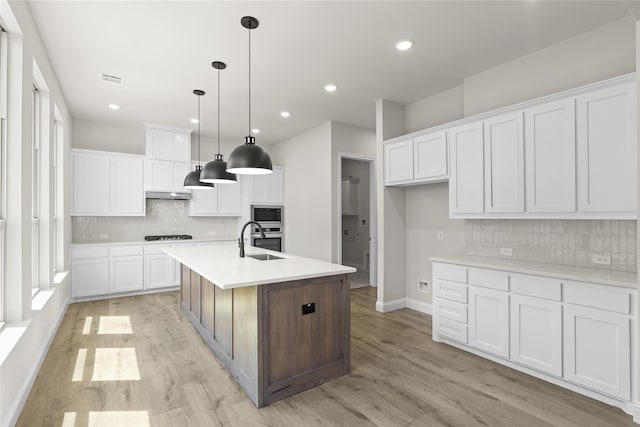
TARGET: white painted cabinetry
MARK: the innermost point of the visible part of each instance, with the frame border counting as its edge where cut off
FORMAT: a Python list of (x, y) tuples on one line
[(221, 200), (107, 184), (466, 182), (268, 189), (126, 268), (489, 320), (607, 150), (398, 162), (89, 272), (420, 159), (167, 158)]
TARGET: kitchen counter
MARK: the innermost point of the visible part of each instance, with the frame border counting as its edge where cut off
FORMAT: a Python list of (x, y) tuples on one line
[(605, 277), (231, 240), (279, 326), (222, 266)]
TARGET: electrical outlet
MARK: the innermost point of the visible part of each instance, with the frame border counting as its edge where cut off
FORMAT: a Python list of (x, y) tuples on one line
[(104, 236), (423, 286), (506, 251), (212, 233), (440, 235), (601, 259)]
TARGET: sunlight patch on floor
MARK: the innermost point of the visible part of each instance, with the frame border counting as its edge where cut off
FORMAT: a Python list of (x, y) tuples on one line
[(69, 419), (119, 419), (78, 371), (115, 364), (114, 325), (86, 330)]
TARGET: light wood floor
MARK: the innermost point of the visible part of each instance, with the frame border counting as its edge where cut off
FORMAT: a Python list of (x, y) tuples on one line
[(400, 377)]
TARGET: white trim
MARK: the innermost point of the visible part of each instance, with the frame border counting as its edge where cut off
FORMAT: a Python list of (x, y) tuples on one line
[(397, 304), (125, 294), (420, 306), (636, 413)]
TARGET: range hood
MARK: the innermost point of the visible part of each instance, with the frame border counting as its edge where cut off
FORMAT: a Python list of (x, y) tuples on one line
[(167, 195)]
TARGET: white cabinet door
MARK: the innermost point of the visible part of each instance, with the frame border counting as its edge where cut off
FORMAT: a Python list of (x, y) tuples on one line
[(466, 181), (489, 321), (276, 186), (430, 157), (398, 162), (229, 199), (204, 202), (550, 150), (127, 185), (597, 350), (159, 271), (162, 144), (126, 273), (259, 189), (90, 183), (504, 163), (179, 172), (90, 277), (607, 150), (164, 175), (536, 334)]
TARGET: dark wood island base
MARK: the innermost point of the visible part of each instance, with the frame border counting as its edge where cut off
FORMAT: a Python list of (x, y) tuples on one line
[(276, 339)]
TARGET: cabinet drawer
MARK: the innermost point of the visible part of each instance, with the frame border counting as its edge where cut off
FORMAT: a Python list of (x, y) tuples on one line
[(535, 286), (102, 251), (454, 273), (126, 250), (450, 329), (604, 298), (450, 291), (450, 310), (489, 279)]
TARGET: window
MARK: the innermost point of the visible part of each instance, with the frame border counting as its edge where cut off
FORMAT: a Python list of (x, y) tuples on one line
[(56, 185), (3, 165), (35, 192)]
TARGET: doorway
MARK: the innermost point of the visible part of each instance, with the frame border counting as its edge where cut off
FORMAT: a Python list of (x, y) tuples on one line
[(357, 218)]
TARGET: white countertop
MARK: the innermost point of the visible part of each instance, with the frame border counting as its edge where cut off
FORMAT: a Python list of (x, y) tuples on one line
[(604, 277), (221, 265), (154, 242)]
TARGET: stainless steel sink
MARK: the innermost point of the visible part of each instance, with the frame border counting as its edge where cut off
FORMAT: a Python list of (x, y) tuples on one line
[(264, 257)]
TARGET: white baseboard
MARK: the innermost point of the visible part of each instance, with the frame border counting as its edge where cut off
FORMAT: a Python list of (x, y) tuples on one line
[(636, 413), (385, 307)]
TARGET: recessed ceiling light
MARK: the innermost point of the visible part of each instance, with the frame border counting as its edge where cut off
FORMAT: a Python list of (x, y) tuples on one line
[(404, 45), (285, 114), (114, 106), (194, 121), (330, 88), (255, 130)]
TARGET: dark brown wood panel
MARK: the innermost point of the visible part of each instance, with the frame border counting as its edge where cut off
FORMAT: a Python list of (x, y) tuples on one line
[(223, 332), (196, 296), (185, 284), (208, 298)]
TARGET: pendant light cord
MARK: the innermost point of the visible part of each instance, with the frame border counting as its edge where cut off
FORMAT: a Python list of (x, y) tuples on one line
[(218, 111), (198, 130), (249, 81)]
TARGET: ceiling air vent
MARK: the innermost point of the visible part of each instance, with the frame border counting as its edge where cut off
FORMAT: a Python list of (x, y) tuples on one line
[(109, 78)]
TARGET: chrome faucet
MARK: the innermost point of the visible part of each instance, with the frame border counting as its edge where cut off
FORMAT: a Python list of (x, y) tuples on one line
[(241, 239)]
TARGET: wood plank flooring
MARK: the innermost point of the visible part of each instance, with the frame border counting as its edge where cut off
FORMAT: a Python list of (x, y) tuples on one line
[(399, 378)]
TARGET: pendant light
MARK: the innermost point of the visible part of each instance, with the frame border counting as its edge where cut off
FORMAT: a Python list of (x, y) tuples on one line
[(249, 159), (216, 170), (192, 180)]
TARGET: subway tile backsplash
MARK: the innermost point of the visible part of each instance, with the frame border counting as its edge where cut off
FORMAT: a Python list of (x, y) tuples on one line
[(163, 217), (565, 242)]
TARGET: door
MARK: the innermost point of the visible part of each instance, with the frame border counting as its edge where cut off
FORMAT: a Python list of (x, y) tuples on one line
[(126, 273), (597, 350), (159, 271), (127, 185), (90, 276), (466, 181), (204, 202), (550, 148), (229, 199), (536, 334), (504, 164), (398, 162), (90, 183), (489, 321), (430, 159), (607, 150)]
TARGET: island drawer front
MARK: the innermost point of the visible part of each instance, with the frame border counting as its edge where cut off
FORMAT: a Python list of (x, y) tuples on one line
[(598, 296), (536, 286), (450, 310), (126, 250), (450, 291), (90, 252), (451, 329), (453, 273), (489, 279)]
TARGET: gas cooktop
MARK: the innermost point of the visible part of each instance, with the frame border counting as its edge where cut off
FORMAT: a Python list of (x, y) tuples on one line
[(168, 237)]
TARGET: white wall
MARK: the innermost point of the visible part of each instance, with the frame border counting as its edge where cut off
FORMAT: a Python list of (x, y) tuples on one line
[(24, 341), (441, 108), (306, 159)]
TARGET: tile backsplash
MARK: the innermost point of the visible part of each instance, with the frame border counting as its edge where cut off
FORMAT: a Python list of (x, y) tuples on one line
[(566, 242), (163, 217)]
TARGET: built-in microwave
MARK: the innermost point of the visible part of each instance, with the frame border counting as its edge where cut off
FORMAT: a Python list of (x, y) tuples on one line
[(267, 215)]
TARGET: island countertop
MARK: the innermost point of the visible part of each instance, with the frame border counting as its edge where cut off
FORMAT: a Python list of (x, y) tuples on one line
[(223, 266)]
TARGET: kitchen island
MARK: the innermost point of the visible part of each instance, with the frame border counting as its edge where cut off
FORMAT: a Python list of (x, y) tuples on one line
[(279, 326)]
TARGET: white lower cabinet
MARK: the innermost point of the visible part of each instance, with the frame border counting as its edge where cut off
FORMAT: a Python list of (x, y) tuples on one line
[(90, 276), (597, 350), (126, 273), (536, 333), (489, 321), (159, 271)]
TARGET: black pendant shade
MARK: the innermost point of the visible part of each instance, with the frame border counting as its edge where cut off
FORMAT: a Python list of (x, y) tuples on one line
[(216, 170), (192, 180), (249, 159)]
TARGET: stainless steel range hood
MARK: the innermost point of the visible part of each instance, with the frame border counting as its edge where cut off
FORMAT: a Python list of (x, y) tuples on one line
[(167, 195)]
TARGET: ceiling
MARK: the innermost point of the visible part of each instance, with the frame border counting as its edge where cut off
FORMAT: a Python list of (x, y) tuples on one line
[(163, 50)]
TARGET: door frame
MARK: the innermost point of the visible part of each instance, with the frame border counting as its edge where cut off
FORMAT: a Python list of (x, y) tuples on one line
[(373, 214)]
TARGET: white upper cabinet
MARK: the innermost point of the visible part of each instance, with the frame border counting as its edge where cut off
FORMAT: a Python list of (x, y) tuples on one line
[(167, 158), (466, 183), (230, 198), (504, 163), (550, 154), (418, 160), (268, 189), (607, 150), (398, 162), (107, 184)]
